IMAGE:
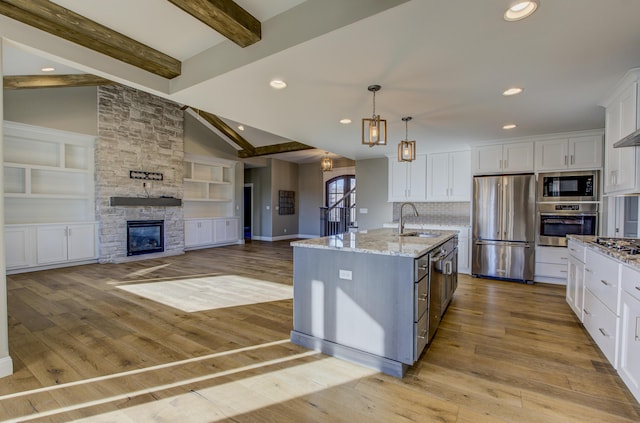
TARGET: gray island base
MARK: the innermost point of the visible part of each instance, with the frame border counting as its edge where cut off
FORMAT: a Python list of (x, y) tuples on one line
[(371, 297)]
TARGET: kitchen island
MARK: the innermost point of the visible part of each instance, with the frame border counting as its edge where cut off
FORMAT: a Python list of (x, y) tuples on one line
[(372, 297)]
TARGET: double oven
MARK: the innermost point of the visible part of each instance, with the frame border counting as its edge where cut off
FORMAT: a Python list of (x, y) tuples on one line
[(567, 204)]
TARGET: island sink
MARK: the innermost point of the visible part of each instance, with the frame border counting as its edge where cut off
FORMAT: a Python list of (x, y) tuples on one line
[(422, 234)]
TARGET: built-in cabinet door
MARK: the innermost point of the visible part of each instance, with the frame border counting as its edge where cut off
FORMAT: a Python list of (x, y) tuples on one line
[(518, 157), (51, 244), (407, 180), (552, 154), (438, 185), (460, 176), (585, 152), (81, 242), (17, 241), (226, 230), (198, 232), (621, 119), (487, 159), (575, 286), (629, 363)]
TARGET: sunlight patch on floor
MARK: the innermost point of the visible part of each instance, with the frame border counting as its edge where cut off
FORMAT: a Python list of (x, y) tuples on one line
[(242, 396), (211, 292)]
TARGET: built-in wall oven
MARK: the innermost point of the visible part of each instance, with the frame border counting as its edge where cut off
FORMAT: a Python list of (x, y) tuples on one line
[(557, 220), (568, 186)]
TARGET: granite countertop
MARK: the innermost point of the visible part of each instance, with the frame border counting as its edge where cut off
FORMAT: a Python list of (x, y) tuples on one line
[(631, 260), (379, 241)]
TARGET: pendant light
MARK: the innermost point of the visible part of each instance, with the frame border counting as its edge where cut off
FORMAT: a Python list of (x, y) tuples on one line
[(374, 129), (326, 164), (406, 148)]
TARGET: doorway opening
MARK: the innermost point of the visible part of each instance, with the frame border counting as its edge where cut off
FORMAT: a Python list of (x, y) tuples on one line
[(248, 212)]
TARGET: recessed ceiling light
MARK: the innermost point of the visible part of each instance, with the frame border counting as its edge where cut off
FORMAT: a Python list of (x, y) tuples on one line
[(278, 84), (48, 69), (509, 126), (520, 9), (240, 127), (512, 91), (345, 121)]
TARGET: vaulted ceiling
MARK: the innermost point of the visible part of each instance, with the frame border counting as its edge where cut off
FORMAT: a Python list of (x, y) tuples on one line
[(445, 63)]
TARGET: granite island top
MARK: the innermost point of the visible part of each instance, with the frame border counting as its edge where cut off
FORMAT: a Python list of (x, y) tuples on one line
[(385, 241), (588, 240)]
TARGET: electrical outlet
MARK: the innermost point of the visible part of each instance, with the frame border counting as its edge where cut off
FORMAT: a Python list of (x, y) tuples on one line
[(285, 230), (345, 274)]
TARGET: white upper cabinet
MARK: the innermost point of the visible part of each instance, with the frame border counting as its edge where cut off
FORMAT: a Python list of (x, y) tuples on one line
[(621, 119), (449, 176), (579, 152), (503, 158), (407, 180)]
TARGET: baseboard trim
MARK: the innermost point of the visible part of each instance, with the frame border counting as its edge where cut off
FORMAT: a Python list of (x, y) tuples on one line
[(372, 361), (6, 366)]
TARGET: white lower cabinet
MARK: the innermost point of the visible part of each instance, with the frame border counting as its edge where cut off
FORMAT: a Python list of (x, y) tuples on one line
[(551, 265), (17, 241), (629, 362), (201, 233), (198, 232), (611, 310), (602, 325), (61, 243), (226, 230), (30, 246), (575, 277)]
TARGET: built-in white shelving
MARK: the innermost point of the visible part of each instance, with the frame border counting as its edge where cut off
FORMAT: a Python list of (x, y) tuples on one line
[(209, 187), (49, 197)]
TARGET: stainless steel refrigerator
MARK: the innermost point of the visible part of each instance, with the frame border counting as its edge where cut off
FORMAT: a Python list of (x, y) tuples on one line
[(504, 222)]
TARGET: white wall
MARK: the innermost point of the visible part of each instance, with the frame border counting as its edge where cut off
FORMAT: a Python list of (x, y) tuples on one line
[(371, 181)]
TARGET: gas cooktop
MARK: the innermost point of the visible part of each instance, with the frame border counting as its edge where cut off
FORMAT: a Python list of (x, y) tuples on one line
[(628, 246)]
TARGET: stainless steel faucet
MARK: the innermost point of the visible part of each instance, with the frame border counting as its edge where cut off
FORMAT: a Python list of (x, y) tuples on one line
[(401, 228)]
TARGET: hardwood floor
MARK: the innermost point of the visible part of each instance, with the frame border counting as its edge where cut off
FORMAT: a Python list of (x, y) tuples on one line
[(84, 349)]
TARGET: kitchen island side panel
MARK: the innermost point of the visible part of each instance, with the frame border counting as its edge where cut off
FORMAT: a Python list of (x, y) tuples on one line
[(371, 312)]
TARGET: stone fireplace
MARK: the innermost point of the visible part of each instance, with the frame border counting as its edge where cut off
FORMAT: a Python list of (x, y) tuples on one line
[(137, 132)]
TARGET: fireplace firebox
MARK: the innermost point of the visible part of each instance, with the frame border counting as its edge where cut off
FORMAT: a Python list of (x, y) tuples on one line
[(145, 237)]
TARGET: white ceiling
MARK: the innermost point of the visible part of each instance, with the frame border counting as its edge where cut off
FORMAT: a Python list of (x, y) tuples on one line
[(445, 63)]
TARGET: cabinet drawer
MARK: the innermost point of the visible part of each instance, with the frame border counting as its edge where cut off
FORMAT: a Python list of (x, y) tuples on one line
[(420, 335), (551, 270), (602, 278), (576, 250), (602, 325), (421, 267), (556, 255), (630, 280), (421, 298)]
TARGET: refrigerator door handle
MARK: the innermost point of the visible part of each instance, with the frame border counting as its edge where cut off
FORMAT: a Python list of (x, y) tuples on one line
[(505, 243)]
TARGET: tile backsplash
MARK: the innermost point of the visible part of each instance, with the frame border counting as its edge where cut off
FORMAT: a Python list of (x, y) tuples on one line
[(455, 214)]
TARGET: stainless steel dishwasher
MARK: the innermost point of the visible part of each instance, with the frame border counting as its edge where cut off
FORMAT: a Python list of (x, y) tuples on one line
[(443, 283)]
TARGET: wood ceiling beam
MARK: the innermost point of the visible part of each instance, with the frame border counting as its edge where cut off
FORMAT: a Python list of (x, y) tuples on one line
[(64, 23), (221, 126), (53, 81), (226, 17), (286, 147)]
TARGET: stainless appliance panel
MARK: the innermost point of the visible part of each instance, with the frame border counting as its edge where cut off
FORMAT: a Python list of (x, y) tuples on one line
[(519, 208), (487, 202), (568, 186), (505, 260), (556, 221)]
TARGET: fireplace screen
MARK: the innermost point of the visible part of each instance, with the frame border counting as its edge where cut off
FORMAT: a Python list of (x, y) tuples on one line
[(145, 236)]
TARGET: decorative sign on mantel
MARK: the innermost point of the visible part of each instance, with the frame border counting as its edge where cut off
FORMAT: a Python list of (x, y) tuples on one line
[(286, 202), (141, 174)]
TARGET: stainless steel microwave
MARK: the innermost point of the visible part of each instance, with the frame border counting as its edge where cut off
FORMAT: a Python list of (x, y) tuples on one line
[(568, 186)]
